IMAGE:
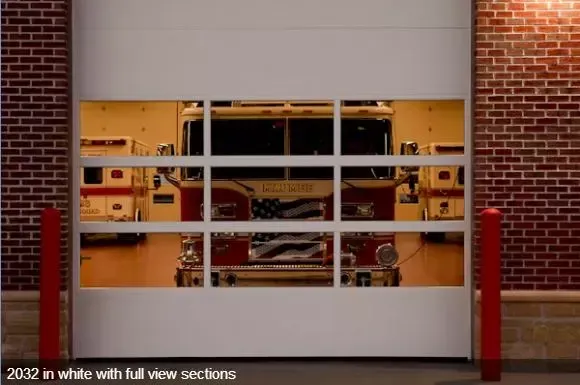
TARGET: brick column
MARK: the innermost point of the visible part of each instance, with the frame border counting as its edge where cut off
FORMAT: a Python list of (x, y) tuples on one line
[(35, 139), (527, 164)]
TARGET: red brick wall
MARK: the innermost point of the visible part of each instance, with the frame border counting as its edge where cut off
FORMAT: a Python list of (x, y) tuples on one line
[(527, 136), (34, 131)]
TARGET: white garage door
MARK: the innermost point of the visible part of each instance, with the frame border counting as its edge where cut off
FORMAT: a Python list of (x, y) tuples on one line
[(129, 50)]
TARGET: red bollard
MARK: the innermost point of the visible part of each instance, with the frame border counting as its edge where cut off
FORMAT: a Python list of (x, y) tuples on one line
[(49, 338), (490, 295)]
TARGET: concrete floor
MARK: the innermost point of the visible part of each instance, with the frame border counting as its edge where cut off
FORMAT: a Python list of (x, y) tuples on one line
[(337, 373), (152, 263)]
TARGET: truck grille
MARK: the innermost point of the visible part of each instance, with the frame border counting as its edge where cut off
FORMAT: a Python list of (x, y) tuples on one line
[(284, 267)]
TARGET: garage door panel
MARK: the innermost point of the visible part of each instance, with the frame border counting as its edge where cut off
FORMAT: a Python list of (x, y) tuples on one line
[(105, 323), (310, 64), (270, 14), (183, 50)]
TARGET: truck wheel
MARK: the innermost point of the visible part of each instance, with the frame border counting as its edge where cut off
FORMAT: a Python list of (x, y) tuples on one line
[(397, 278), (431, 237), (179, 279), (128, 238), (133, 238), (138, 218), (437, 237)]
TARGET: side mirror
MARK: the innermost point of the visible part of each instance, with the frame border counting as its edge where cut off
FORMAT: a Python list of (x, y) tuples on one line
[(412, 183), (409, 148), (156, 181), (165, 149)]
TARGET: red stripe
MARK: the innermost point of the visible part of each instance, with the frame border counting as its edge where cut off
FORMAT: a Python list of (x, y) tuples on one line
[(443, 193), (440, 148), (106, 191)]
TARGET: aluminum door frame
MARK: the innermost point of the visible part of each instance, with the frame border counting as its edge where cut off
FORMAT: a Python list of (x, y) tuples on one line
[(418, 321)]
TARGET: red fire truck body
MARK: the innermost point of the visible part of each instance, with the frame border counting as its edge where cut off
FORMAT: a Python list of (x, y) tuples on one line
[(289, 194), (234, 247)]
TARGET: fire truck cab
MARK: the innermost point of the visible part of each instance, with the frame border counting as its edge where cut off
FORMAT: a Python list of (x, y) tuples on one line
[(116, 194), (288, 193), (441, 188)]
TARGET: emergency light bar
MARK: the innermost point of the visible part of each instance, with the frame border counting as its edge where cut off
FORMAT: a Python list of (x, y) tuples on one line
[(269, 103), (291, 111), (101, 142)]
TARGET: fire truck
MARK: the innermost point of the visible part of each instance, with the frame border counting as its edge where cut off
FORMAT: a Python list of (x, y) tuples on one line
[(116, 195), (288, 193), (441, 189)]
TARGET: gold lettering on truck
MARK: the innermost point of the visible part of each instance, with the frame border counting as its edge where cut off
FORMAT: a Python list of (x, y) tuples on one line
[(299, 188), (90, 211), (86, 208)]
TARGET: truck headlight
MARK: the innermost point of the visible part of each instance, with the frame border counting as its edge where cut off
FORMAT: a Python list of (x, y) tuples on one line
[(358, 210), (222, 211), (387, 255), (366, 210), (223, 236), (189, 254)]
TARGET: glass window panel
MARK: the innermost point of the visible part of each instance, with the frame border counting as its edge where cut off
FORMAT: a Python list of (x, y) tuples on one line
[(402, 259)]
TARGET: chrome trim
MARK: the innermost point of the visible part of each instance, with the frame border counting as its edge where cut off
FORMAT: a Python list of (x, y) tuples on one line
[(218, 206), (223, 236), (388, 248), (369, 205)]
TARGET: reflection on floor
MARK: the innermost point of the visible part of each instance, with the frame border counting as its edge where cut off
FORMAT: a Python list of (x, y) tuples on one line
[(152, 263)]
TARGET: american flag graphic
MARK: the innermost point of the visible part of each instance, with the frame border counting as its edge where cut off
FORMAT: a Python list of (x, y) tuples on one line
[(287, 246), (264, 209)]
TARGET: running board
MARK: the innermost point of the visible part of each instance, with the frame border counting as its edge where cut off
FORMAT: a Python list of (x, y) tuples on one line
[(288, 275)]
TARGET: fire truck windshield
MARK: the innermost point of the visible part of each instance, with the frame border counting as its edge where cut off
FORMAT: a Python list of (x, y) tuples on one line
[(293, 136)]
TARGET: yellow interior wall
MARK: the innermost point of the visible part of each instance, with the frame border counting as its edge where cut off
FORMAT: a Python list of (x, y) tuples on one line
[(425, 122), (148, 122)]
